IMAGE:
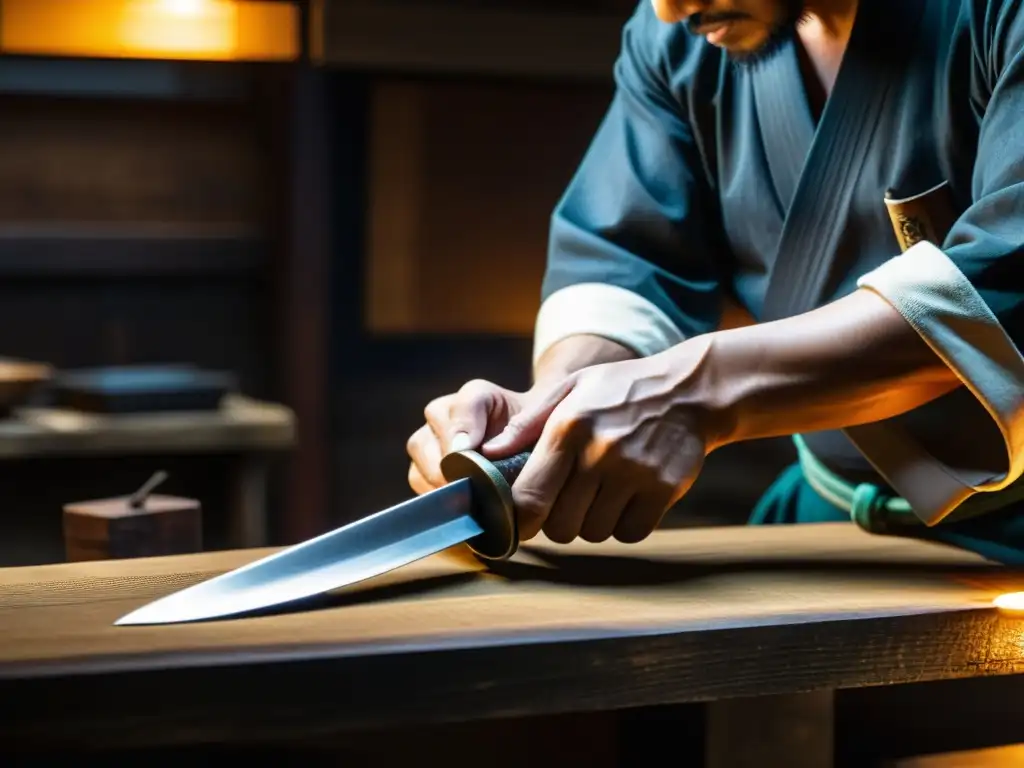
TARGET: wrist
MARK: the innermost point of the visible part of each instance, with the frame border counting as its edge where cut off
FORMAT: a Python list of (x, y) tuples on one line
[(575, 353), (700, 388), (850, 362)]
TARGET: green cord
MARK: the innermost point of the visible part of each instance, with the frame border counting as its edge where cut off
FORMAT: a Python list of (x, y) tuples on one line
[(873, 510), (868, 507)]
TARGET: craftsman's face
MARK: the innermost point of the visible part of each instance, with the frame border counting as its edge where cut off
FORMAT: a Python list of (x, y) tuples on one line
[(749, 30)]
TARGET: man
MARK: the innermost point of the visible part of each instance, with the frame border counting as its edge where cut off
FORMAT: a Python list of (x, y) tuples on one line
[(750, 155)]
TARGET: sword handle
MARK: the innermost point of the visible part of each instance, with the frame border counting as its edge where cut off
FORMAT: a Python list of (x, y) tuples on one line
[(492, 499), (512, 467)]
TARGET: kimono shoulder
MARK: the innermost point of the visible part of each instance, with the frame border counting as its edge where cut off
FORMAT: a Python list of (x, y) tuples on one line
[(636, 242)]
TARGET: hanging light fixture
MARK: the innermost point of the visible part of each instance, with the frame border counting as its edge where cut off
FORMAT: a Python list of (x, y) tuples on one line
[(216, 30)]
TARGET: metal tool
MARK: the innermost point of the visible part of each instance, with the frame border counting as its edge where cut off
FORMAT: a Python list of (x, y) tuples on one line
[(474, 508)]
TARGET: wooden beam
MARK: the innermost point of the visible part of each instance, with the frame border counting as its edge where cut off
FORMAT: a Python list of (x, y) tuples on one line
[(477, 40), (687, 616), (303, 283)]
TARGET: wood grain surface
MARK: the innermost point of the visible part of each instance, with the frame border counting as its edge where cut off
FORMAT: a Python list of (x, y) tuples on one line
[(689, 615)]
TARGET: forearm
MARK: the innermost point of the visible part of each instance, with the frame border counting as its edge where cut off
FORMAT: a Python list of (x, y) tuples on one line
[(575, 353), (851, 362)]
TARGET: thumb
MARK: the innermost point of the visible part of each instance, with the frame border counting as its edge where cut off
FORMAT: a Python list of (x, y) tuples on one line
[(469, 413), (525, 428)]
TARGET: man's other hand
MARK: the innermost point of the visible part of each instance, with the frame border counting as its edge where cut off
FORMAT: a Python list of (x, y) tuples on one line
[(457, 422)]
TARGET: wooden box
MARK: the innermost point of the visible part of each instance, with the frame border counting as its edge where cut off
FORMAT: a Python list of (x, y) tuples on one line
[(112, 529)]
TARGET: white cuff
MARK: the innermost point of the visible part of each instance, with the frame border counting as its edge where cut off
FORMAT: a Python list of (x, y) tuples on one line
[(940, 303), (604, 310)]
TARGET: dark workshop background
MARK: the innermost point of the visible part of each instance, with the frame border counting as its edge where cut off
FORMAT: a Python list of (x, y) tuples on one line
[(351, 238)]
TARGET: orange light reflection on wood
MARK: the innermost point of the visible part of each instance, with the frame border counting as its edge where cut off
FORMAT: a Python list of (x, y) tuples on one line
[(1011, 603)]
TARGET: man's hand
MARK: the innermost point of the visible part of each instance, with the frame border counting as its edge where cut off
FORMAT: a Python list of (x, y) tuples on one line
[(456, 422), (480, 410), (616, 446)]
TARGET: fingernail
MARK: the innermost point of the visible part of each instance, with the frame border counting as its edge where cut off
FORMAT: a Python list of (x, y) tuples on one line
[(460, 442), (494, 442)]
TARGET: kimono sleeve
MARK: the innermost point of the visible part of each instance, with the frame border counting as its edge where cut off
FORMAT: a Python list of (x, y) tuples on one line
[(966, 298), (629, 254)]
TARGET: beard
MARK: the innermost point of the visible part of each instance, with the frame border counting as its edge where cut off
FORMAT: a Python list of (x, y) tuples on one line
[(782, 31)]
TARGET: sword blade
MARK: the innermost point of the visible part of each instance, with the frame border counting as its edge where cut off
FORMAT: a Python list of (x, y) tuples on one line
[(369, 547)]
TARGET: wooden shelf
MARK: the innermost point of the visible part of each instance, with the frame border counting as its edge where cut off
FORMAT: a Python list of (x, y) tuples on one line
[(241, 424), (391, 36), (180, 81), (71, 249)]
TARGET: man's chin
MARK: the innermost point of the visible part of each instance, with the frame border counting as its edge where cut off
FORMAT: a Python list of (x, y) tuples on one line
[(749, 53), (741, 50)]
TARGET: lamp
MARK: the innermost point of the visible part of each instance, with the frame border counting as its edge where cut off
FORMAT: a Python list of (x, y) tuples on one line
[(215, 30)]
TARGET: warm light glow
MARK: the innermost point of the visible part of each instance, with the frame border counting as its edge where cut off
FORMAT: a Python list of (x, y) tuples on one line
[(184, 7), (181, 27), (217, 30), (1011, 602)]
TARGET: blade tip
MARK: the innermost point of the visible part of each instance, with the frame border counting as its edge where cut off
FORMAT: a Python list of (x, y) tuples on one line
[(143, 617), (136, 618)]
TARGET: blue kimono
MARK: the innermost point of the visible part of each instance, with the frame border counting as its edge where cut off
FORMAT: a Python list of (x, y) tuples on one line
[(711, 185)]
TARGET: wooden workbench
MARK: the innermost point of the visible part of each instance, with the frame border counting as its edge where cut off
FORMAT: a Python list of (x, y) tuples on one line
[(783, 614), (249, 428)]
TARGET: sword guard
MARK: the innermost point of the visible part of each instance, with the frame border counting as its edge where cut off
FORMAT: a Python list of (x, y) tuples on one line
[(492, 499)]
